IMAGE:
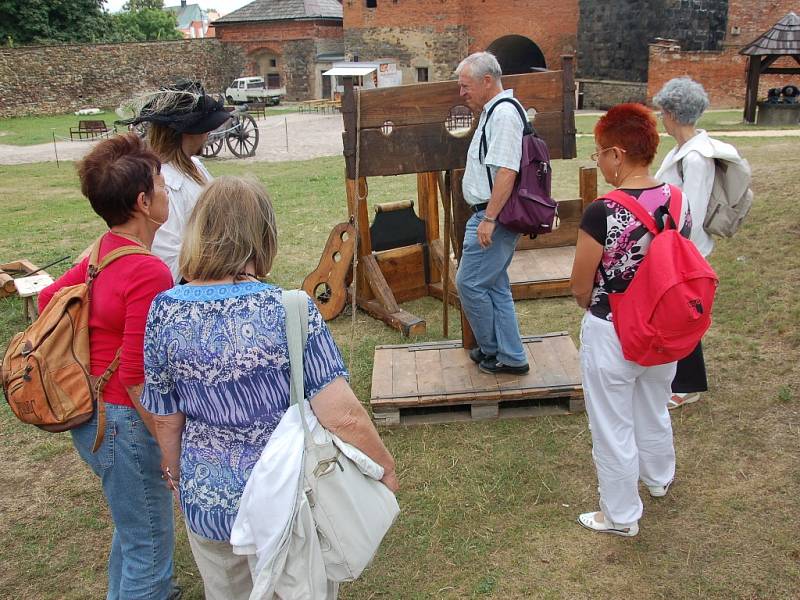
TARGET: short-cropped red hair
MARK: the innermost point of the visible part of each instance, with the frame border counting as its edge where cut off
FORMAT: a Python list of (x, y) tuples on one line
[(630, 126)]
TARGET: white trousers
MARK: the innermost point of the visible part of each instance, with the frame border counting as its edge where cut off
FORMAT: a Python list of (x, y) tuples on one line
[(630, 423), (226, 576)]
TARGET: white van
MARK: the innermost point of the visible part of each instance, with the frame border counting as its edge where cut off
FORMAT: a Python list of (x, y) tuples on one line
[(253, 89)]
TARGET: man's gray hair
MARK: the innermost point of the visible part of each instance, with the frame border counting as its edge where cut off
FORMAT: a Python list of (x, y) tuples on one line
[(480, 64), (683, 98)]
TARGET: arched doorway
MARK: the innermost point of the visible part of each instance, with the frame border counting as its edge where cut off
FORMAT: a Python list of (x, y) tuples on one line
[(517, 54), (267, 65)]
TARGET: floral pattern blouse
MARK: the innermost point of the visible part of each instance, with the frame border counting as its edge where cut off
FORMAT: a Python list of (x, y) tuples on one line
[(219, 355)]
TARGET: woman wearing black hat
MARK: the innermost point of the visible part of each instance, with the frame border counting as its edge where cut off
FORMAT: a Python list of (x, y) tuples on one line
[(179, 118)]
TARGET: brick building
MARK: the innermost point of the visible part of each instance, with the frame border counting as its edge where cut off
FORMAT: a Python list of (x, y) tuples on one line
[(428, 39), (611, 38), (288, 42)]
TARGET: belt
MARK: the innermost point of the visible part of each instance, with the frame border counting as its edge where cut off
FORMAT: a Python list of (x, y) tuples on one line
[(479, 207)]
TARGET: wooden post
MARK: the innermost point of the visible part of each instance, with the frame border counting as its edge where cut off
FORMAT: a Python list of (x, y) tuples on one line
[(461, 211), (568, 146), (751, 95), (358, 210), (350, 126), (428, 202), (588, 186)]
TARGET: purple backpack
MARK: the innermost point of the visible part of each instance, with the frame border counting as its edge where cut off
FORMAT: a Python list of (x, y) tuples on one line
[(530, 209)]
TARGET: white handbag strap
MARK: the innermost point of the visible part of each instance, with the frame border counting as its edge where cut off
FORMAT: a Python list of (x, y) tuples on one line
[(295, 303)]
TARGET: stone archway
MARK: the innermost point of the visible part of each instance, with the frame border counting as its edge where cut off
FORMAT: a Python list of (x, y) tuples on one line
[(267, 64), (517, 54)]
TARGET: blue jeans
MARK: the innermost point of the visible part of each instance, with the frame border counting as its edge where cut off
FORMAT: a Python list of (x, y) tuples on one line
[(128, 465), (485, 292)]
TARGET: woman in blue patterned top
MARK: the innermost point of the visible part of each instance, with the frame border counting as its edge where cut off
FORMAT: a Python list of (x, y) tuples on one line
[(217, 368)]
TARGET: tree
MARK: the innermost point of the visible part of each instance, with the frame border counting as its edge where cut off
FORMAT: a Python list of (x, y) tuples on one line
[(136, 5), (145, 25), (48, 21)]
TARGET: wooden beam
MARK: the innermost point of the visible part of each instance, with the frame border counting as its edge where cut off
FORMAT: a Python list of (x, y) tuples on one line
[(378, 285), (782, 71), (767, 61), (357, 210), (568, 147), (588, 186), (751, 94), (461, 211), (403, 321), (428, 198)]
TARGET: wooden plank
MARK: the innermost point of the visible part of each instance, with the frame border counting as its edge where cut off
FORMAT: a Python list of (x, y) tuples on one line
[(404, 271), (549, 364), (569, 146), (484, 411), (403, 321), (381, 376), (428, 198), (430, 147), (378, 285), (404, 376), (567, 354), (428, 366), (456, 366), (432, 102), (569, 213), (587, 181)]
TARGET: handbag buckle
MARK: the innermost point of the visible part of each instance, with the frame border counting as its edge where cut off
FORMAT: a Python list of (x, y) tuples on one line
[(325, 467)]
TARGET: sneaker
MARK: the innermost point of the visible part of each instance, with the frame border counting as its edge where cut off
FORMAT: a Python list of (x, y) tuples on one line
[(659, 491), (679, 399), (492, 365), (589, 521), (477, 355)]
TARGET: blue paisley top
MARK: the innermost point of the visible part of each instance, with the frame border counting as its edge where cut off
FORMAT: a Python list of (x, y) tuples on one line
[(218, 354)]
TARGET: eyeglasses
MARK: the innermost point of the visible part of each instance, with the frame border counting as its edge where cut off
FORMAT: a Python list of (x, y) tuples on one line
[(595, 155)]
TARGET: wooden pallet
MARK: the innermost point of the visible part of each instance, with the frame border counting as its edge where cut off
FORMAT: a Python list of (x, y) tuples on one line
[(541, 272), (436, 382)]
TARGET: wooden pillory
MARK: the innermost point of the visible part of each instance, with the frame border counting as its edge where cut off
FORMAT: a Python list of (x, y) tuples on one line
[(425, 129), (409, 130)]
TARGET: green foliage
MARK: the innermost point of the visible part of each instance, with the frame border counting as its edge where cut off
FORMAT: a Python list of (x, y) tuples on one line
[(134, 5), (49, 21), (145, 25)]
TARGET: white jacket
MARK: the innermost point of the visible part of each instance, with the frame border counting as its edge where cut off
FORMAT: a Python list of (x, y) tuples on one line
[(697, 183), (183, 194)]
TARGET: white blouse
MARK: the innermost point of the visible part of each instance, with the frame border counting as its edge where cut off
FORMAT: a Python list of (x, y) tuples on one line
[(183, 194), (697, 182)]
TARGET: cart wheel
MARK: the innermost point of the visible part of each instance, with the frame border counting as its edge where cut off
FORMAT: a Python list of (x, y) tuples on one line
[(243, 140), (212, 146)]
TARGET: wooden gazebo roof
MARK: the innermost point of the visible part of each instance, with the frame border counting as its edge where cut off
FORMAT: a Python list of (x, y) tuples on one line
[(782, 40)]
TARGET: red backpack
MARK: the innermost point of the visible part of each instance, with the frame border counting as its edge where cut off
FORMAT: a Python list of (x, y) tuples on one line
[(666, 308)]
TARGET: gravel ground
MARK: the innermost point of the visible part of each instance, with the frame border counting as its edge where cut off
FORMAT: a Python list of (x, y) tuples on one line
[(310, 135)]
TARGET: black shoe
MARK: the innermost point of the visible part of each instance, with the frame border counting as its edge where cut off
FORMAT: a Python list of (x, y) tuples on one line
[(477, 355), (492, 365)]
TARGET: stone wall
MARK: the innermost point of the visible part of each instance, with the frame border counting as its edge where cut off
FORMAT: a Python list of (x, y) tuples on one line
[(614, 34), (603, 94), (65, 78)]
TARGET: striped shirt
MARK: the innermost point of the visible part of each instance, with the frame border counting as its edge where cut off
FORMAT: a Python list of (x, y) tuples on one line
[(219, 355), (504, 142)]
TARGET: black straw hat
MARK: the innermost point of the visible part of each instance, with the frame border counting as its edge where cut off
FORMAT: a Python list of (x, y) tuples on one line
[(183, 106)]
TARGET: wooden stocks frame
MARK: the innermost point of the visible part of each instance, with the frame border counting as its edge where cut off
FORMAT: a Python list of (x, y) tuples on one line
[(403, 130)]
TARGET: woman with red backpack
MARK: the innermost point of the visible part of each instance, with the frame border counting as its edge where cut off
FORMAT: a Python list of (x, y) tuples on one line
[(625, 401)]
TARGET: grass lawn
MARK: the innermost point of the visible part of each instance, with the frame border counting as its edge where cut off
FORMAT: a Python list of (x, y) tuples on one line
[(26, 131), (488, 508)]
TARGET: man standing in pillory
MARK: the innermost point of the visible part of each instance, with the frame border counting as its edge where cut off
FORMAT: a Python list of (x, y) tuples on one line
[(482, 279)]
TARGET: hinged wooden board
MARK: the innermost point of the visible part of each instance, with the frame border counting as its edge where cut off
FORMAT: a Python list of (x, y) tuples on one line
[(430, 382)]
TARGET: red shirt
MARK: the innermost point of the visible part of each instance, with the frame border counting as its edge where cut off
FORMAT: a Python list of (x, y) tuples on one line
[(121, 297)]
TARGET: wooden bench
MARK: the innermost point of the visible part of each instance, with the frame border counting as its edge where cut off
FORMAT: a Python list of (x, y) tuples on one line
[(89, 129), (257, 109)]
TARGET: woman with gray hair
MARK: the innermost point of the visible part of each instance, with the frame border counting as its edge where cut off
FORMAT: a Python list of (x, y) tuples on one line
[(690, 166)]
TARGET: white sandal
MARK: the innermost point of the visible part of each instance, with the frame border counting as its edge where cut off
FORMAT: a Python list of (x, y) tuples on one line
[(678, 400), (589, 521)]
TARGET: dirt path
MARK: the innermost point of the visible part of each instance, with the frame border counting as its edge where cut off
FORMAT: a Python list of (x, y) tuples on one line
[(309, 135)]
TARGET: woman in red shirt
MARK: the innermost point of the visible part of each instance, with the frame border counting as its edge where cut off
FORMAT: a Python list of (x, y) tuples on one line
[(123, 182)]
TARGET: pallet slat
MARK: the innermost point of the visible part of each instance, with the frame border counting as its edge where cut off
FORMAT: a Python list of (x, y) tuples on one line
[(436, 382)]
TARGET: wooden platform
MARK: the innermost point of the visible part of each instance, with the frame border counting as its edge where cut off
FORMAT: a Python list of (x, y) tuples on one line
[(436, 382), (541, 272)]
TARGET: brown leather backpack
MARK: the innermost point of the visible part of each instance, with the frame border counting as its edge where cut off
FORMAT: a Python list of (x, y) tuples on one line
[(45, 372)]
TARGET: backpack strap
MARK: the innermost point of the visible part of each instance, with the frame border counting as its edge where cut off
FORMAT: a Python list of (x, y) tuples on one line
[(632, 204), (100, 383), (527, 129)]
